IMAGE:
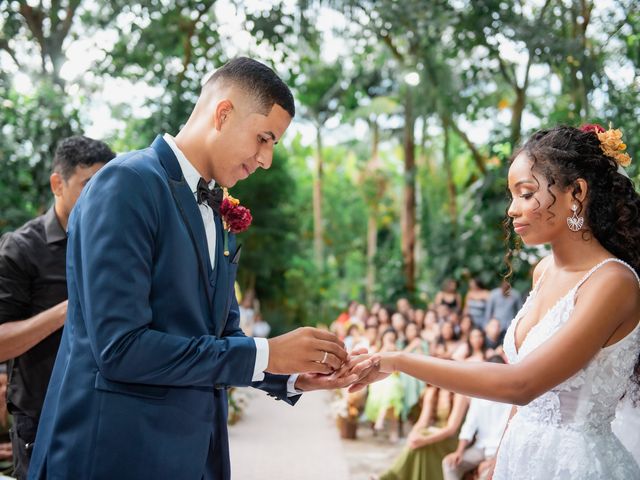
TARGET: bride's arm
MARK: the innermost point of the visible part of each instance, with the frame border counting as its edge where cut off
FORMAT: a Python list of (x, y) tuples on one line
[(607, 308)]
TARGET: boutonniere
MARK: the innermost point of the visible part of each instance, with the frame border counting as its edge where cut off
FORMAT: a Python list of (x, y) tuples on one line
[(235, 217)]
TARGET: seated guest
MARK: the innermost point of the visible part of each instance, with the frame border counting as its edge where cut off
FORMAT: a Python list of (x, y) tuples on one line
[(447, 344), (428, 445), (385, 397), (399, 323), (494, 337), (485, 422), (412, 387), (474, 349), (355, 339)]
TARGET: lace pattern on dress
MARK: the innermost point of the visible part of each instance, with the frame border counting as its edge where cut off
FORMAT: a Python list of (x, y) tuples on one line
[(566, 432)]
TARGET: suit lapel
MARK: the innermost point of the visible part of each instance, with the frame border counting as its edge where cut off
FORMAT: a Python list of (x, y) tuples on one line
[(183, 197), (221, 282)]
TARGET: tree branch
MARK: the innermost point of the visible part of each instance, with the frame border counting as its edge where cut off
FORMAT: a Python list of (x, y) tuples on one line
[(394, 50), (34, 22), (475, 153), (4, 45)]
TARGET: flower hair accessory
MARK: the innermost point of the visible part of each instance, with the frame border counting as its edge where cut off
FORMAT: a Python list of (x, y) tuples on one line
[(235, 217), (611, 143)]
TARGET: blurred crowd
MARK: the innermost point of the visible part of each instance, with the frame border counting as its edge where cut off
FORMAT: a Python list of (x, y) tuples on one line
[(447, 435)]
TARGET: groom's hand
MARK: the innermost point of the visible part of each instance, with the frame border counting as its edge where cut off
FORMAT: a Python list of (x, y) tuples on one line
[(305, 350), (357, 366)]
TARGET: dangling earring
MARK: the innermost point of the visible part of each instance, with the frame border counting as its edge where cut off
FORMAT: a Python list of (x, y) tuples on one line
[(574, 222)]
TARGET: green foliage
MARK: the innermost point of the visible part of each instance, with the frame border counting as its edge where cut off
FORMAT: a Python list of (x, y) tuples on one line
[(32, 125), (466, 56)]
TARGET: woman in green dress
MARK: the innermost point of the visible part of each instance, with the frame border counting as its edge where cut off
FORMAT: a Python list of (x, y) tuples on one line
[(428, 444)]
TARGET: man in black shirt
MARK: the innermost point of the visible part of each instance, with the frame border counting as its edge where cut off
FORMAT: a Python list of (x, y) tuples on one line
[(33, 292)]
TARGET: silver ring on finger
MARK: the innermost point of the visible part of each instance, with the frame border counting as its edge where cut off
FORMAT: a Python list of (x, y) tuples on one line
[(324, 359)]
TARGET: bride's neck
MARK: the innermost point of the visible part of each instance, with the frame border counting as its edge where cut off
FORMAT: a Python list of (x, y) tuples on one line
[(575, 253)]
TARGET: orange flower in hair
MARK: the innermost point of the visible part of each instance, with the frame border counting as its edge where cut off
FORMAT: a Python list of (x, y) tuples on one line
[(613, 146)]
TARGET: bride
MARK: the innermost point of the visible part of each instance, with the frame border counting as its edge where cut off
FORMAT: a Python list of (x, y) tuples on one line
[(573, 346)]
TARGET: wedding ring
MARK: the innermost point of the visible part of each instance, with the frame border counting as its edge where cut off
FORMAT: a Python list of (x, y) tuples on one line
[(324, 359)]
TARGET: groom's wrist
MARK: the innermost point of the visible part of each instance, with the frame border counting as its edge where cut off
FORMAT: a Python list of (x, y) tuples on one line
[(301, 384)]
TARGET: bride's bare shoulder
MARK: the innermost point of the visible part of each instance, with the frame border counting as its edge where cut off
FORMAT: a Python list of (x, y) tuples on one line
[(542, 265)]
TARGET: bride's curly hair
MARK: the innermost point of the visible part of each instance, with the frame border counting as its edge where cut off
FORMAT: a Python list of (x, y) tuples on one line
[(564, 154)]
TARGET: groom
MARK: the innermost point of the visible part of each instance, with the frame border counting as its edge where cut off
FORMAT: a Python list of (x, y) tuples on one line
[(152, 338)]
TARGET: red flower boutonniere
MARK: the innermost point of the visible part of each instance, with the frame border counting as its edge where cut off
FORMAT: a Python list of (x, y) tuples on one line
[(235, 217)]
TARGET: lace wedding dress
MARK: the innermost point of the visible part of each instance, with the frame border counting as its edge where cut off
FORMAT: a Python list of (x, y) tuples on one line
[(566, 432)]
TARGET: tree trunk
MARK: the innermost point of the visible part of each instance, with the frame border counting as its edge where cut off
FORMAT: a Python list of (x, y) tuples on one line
[(318, 242), (516, 116), (408, 214), (451, 186), (372, 223)]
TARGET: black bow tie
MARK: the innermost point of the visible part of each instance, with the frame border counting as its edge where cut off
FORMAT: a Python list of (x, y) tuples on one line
[(212, 197)]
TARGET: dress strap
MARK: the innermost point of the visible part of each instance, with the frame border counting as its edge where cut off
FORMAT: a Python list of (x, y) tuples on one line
[(603, 262)]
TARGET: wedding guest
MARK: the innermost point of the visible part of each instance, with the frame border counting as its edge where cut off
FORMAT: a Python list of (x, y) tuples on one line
[(355, 339), (466, 324), (503, 304), (403, 306), (427, 445), (372, 321), (33, 291), (475, 303), (442, 312), (411, 387), (361, 314), (454, 320), (399, 323), (419, 316), (371, 334), (247, 313), (384, 316), (261, 328), (494, 337), (479, 437), (447, 344), (476, 345), (385, 397), (449, 295)]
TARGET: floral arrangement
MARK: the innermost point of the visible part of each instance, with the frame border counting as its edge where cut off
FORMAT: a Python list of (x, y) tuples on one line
[(346, 409), (610, 142), (235, 217), (237, 399)]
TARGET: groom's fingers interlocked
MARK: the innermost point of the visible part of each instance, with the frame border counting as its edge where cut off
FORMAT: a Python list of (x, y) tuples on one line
[(305, 350)]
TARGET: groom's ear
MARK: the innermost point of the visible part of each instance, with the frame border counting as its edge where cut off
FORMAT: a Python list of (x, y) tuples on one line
[(222, 112)]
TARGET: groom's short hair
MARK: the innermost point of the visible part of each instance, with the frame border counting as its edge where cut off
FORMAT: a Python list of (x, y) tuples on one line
[(257, 80)]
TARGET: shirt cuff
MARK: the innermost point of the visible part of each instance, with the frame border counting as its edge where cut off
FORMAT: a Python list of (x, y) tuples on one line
[(262, 359), (292, 391)]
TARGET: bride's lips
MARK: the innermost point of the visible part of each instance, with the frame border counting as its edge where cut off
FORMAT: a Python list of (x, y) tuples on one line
[(519, 227), (246, 170)]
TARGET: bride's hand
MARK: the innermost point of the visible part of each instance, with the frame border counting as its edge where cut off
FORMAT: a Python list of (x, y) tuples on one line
[(383, 364)]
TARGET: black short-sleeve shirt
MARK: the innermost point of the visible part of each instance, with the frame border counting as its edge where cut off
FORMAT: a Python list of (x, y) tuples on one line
[(32, 279)]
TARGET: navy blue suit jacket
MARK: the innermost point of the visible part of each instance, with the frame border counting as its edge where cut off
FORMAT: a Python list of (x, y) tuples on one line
[(151, 338)]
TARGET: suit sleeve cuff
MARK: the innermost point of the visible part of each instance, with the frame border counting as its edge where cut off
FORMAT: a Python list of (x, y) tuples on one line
[(292, 391), (262, 359)]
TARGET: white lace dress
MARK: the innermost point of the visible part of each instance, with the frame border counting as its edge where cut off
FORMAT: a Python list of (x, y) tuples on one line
[(566, 432)]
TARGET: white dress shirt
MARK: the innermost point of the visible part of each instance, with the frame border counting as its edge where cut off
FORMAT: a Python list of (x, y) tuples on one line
[(486, 420), (192, 177)]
